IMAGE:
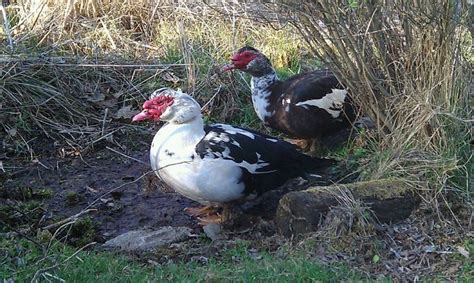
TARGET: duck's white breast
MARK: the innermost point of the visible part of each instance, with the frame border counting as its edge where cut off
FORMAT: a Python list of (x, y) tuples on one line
[(208, 181)]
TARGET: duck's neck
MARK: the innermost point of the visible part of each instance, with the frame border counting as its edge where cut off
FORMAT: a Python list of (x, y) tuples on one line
[(184, 134), (261, 93)]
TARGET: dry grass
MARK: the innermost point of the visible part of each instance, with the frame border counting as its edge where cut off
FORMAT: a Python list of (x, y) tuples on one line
[(79, 67), (406, 66), (73, 103)]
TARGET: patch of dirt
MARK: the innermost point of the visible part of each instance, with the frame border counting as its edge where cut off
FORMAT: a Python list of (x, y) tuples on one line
[(77, 184), (125, 196)]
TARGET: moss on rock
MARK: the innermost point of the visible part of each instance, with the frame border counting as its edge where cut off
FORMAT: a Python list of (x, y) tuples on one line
[(303, 211)]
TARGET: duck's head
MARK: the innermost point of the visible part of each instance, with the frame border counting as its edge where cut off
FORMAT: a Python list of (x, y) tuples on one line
[(250, 60), (170, 106)]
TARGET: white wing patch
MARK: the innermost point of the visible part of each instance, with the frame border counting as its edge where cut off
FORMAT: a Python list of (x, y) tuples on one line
[(233, 131), (228, 159), (286, 103), (253, 167), (331, 102), (214, 137), (217, 137)]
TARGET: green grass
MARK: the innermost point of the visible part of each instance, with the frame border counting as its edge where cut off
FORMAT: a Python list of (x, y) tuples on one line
[(22, 259)]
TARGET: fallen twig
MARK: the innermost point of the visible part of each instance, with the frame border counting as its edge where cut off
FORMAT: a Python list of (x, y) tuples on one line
[(127, 156), (68, 219), (43, 270), (212, 97), (24, 232), (131, 182)]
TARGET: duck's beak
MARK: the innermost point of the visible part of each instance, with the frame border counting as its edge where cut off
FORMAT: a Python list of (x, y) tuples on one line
[(142, 116), (228, 67), (234, 65)]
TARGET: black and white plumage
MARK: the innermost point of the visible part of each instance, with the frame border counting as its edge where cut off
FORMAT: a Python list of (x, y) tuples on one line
[(307, 105), (217, 164)]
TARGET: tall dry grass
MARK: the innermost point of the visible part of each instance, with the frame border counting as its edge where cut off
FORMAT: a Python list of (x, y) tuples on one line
[(408, 67), (77, 64)]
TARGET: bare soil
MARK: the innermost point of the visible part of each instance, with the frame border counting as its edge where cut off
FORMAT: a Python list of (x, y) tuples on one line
[(78, 183), (125, 194)]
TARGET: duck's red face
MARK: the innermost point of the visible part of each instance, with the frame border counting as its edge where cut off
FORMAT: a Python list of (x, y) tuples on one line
[(153, 108), (241, 60)]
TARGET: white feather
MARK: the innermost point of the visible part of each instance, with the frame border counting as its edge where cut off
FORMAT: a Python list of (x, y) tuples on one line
[(331, 102), (233, 131)]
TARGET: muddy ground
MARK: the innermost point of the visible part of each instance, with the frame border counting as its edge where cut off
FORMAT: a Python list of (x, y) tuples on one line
[(125, 199), (120, 186)]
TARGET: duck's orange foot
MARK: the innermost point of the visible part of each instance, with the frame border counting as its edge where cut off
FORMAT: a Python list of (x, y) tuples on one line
[(215, 218), (200, 211), (302, 144), (206, 215)]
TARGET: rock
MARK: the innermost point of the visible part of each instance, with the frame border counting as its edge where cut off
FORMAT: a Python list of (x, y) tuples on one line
[(214, 231), (140, 240), (300, 212)]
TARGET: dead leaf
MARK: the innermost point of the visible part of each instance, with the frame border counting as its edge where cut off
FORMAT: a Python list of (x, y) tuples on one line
[(90, 189), (1, 167), (106, 200), (152, 262), (125, 112), (12, 132), (453, 269), (170, 77), (96, 97), (109, 102), (463, 251)]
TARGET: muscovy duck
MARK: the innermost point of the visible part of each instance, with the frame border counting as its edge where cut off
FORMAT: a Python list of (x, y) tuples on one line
[(305, 106), (217, 164)]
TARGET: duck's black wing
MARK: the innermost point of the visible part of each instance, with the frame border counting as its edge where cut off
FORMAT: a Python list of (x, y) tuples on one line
[(266, 162)]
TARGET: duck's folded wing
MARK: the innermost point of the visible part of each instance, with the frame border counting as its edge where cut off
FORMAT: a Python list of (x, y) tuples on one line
[(247, 149), (258, 153), (266, 162)]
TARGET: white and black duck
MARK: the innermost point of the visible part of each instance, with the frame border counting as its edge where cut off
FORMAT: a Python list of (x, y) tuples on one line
[(306, 106), (217, 164)]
